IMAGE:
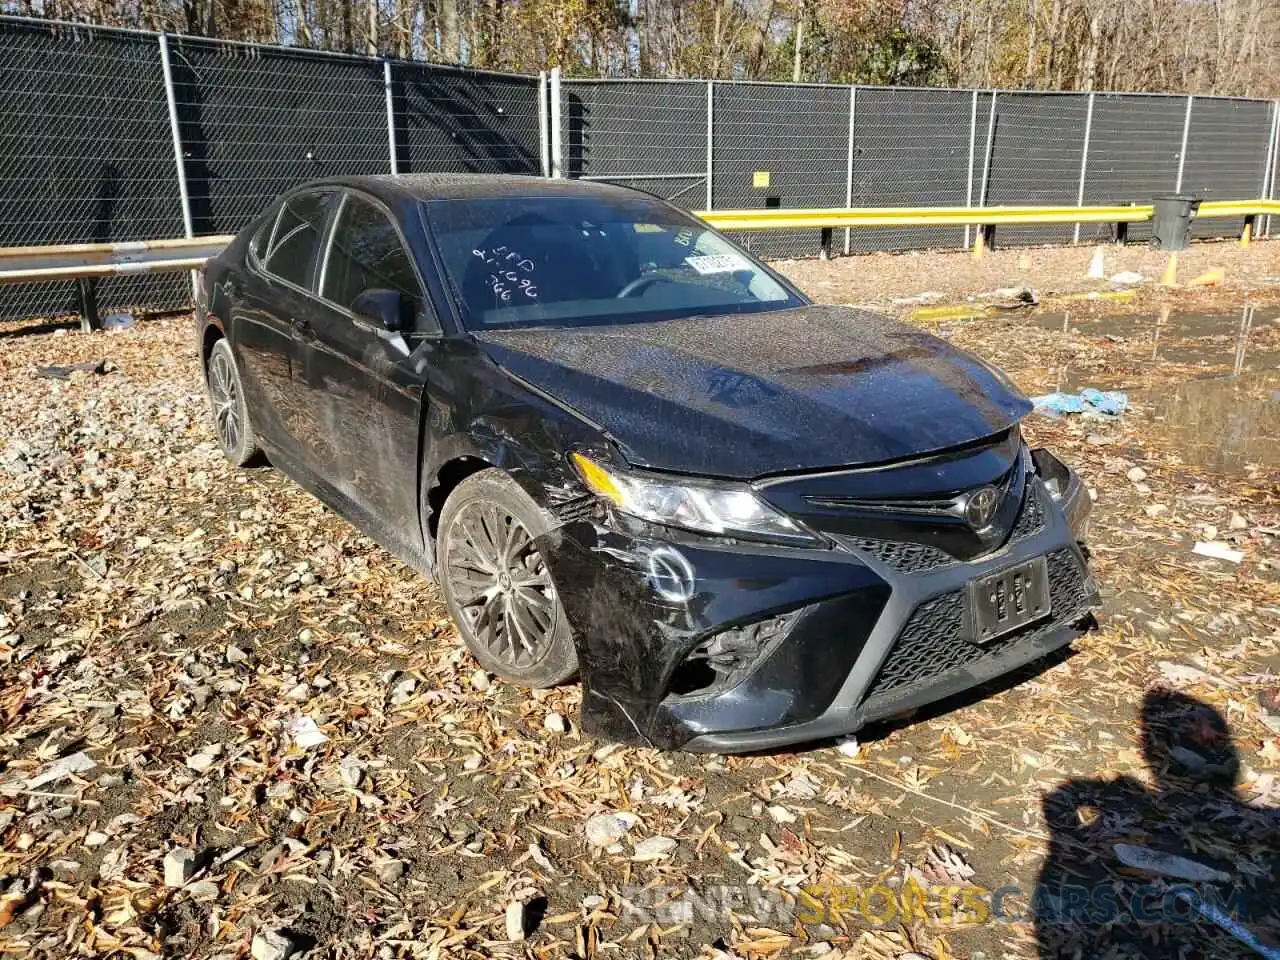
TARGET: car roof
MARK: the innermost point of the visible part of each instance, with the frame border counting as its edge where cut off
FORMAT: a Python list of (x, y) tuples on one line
[(472, 186)]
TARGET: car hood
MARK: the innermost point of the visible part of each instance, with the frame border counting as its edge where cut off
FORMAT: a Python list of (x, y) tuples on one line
[(748, 395)]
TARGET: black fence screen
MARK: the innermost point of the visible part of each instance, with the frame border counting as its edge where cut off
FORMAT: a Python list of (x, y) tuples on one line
[(88, 153), (87, 149), (85, 156)]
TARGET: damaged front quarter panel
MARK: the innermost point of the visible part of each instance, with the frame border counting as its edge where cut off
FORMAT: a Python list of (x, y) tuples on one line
[(644, 599)]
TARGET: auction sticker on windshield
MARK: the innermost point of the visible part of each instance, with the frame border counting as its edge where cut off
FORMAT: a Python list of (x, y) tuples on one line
[(717, 263)]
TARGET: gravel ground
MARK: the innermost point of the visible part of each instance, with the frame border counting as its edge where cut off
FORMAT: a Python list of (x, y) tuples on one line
[(883, 278), (231, 725)]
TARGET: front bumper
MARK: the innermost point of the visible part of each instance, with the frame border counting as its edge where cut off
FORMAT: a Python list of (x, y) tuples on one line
[(704, 644)]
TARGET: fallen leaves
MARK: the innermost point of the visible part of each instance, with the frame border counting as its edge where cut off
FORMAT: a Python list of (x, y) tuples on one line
[(196, 660)]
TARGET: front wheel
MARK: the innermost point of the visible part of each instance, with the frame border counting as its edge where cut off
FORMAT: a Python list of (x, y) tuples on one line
[(496, 583), (230, 410)]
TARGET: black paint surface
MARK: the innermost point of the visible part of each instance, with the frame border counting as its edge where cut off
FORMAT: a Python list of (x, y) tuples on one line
[(823, 408)]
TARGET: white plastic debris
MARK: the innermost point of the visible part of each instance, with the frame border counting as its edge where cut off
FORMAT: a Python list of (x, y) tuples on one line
[(60, 769), (848, 746), (305, 733), (555, 723), (179, 865), (1127, 277), (653, 848), (515, 920), (1168, 864), (1218, 550), (606, 829), (207, 756), (780, 814), (272, 945)]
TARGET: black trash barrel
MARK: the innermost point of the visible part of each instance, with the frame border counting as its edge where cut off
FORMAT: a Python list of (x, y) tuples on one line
[(1171, 226)]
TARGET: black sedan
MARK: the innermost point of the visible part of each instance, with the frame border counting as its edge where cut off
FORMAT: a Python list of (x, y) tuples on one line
[(629, 451)]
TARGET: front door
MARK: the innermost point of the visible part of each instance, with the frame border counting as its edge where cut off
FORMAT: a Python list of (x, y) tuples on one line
[(364, 382)]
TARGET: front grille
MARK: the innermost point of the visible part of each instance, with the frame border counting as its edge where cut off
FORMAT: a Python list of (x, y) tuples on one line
[(902, 555), (933, 640), (1031, 518), (906, 556)]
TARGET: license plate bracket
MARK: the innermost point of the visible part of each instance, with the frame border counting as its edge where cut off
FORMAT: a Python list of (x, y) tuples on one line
[(1008, 599)]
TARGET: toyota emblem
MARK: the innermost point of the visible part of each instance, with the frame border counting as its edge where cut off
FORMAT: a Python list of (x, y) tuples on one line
[(980, 507)]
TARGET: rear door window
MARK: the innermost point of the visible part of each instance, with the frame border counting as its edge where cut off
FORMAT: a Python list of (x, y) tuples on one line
[(291, 252), (366, 253)]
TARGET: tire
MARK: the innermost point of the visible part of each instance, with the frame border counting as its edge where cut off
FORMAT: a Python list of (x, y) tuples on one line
[(508, 612), (230, 412)]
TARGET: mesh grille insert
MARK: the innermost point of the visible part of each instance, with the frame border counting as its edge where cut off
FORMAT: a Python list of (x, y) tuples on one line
[(933, 641)]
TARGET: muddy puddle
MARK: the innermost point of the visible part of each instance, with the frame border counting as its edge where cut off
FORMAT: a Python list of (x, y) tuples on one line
[(1210, 382)]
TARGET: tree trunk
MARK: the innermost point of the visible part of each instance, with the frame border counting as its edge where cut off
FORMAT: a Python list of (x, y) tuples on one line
[(371, 28), (1091, 51), (450, 38), (1030, 74), (795, 72)]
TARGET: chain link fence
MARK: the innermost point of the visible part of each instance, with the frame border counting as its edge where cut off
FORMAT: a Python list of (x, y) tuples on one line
[(87, 151), (801, 145), (647, 134), (100, 124), (85, 156)]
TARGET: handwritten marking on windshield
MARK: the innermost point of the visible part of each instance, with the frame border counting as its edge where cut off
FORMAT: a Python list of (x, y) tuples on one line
[(507, 280)]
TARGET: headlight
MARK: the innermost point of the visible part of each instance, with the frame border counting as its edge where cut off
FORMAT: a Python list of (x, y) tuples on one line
[(730, 509)]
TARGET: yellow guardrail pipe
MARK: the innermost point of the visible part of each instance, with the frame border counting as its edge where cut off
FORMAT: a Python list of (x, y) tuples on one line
[(805, 219)]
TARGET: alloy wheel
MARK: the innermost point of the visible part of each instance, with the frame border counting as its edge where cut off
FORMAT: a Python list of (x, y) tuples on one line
[(502, 583), (225, 393)]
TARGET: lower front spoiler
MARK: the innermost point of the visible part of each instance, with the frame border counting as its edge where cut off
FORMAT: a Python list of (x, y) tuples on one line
[(837, 722)]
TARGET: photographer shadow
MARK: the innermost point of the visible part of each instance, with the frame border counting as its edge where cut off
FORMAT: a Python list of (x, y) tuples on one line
[(1180, 870)]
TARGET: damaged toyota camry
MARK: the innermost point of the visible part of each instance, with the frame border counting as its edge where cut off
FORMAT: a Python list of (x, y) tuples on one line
[(629, 451)]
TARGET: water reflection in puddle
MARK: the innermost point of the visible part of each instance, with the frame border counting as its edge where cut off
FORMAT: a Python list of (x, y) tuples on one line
[(1218, 402), (1237, 341), (1224, 423)]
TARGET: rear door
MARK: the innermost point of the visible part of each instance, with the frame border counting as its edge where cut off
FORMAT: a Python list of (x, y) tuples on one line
[(271, 306), (364, 382)]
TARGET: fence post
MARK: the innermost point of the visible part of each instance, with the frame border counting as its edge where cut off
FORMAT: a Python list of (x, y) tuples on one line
[(557, 157), (711, 112), (1269, 171), (172, 102), (1084, 163), (180, 165), (391, 117), (1182, 155), (973, 146), (848, 181), (986, 164), (544, 127)]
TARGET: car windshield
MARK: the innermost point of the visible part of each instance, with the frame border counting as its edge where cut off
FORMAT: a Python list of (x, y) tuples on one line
[(582, 261)]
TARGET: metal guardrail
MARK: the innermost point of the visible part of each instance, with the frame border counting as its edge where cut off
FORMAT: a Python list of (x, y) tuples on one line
[(986, 218), (85, 262)]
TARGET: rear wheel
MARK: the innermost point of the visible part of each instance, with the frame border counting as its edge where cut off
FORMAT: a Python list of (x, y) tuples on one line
[(496, 582), (230, 412)]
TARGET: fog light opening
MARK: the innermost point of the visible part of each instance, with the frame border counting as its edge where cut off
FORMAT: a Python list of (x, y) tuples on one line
[(693, 676), (722, 661)]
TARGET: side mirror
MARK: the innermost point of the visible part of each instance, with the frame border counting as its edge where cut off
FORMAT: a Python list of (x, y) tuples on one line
[(383, 307)]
